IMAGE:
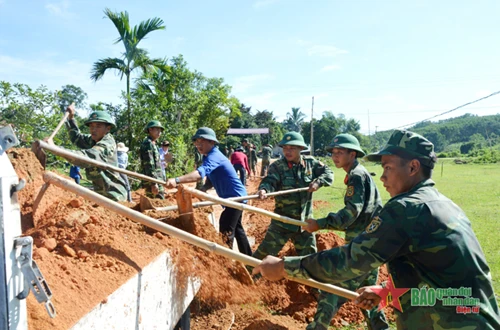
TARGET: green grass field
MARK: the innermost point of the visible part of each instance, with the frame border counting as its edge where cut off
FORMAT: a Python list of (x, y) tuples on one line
[(473, 187)]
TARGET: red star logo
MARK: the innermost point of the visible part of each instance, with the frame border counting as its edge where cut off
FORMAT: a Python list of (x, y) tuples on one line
[(390, 295)]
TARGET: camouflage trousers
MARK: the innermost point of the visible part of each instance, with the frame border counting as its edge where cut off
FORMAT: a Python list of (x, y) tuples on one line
[(265, 167), (161, 193), (329, 304), (277, 236)]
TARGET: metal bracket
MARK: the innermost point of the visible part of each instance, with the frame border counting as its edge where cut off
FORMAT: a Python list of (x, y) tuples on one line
[(8, 138), (33, 278)]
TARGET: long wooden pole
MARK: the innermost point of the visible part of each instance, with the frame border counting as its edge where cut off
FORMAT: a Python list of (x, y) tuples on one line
[(244, 207), (68, 185), (71, 156), (234, 199)]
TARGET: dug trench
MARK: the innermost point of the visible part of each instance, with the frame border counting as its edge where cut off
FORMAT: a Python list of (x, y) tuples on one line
[(86, 252)]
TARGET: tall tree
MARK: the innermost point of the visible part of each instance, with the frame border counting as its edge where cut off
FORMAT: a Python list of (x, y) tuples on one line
[(133, 56), (294, 120), (70, 94)]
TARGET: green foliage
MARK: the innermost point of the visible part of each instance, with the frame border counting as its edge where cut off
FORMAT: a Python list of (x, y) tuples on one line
[(460, 130), (70, 94), (33, 113), (294, 120), (485, 156), (133, 56), (328, 127)]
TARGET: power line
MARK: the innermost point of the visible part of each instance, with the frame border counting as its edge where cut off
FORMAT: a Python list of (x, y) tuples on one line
[(461, 106)]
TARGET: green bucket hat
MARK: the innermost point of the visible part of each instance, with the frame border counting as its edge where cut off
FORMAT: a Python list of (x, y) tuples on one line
[(407, 144), (292, 139), (205, 133), (100, 117), (153, 123), (346, 141)]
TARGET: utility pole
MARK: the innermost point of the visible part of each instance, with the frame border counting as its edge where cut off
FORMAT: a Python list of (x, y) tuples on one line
[(369, 123), (312, 128)]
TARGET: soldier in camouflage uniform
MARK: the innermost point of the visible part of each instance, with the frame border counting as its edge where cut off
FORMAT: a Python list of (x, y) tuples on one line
[(253, 159), (198, 160), (362, 201), (150, 159), (294, 171), (98, 145), (425, 238), (267, 151)]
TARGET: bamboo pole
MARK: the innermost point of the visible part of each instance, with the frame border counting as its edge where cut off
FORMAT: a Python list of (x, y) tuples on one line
[(244, 207), (180, 234), (234, 199), (72, 156)]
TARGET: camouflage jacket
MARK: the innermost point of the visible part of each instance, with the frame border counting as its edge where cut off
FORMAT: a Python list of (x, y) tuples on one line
[(283, 175), (427, 241), (198, 158), (266, 153), (105, 182), (362, 201), (150, 161), (253, 157)]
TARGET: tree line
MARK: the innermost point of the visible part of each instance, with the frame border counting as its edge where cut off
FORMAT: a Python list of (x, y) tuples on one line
[(184, 99)]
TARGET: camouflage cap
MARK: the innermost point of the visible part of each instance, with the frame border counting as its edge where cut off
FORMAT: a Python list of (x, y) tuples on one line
[(407, 144), (346, 141), (100, 117), (153, 123), (205, 133), (292, 139)]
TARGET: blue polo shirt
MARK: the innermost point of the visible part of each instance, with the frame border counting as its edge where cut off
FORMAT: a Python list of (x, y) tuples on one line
[(222, 174)]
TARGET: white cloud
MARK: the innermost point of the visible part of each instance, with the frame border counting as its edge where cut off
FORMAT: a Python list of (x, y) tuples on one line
[(54, 74), (320, 50), (60, 9), (330, 68), (483, 93), (263, 3), (244, 83)]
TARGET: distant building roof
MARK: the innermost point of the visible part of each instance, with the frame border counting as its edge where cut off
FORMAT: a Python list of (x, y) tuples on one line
[(248, 131)]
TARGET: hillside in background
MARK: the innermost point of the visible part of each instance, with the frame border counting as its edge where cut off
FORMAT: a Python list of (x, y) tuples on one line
[(455, 135)]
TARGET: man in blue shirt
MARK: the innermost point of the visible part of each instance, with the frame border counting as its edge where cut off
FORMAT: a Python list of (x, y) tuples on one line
[(226, 182), (74, 172)]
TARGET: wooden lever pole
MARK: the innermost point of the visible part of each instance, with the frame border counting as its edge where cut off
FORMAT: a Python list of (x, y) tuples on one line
[(178, 233)]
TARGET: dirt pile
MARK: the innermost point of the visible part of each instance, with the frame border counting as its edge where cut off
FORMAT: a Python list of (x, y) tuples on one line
[(86, 252)]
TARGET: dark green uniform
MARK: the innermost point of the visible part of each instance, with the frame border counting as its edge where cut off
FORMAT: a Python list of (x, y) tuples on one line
[(283, 176), (427, 242), (151, 165), (253, 160), (104, 182), (198, 160), (362, 201), (266, 159)]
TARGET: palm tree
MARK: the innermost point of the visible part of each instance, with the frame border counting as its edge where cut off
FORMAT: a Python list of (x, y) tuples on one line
[(133, 56), (295, 119)]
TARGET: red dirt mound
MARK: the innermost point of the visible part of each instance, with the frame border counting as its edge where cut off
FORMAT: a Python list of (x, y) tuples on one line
[(86, 252)]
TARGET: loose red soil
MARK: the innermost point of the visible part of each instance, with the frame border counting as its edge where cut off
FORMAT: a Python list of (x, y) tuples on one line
[(86, 252)]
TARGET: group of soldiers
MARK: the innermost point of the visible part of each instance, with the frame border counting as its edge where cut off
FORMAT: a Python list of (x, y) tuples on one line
[(424, 238)]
